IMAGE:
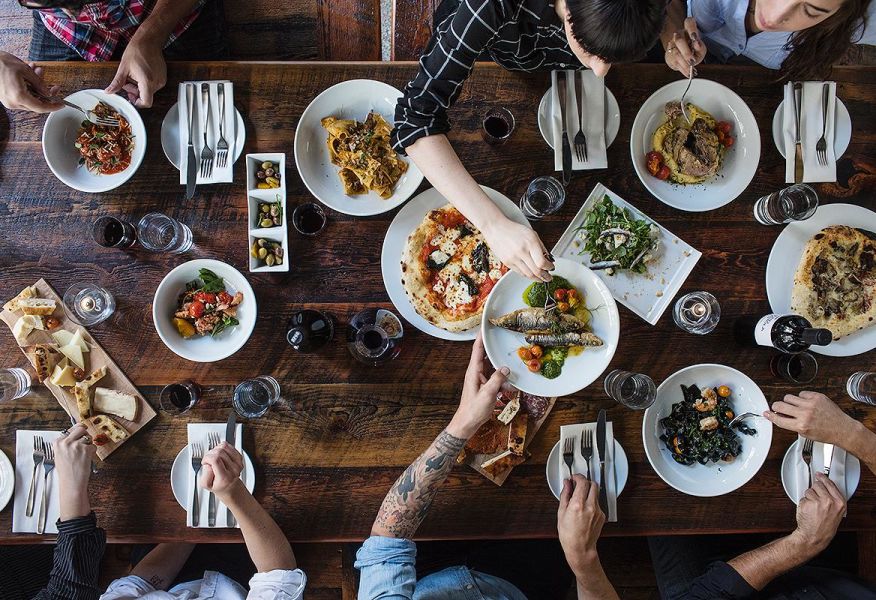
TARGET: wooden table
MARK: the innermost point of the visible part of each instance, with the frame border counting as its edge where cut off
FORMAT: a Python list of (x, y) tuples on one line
[(327, 456)]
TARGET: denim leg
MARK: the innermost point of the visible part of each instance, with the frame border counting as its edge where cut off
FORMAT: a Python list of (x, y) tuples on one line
[(45, 45), (205, 39)]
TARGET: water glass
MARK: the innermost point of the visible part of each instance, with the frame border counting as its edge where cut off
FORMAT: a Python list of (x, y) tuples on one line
[(795, 203), (253, 397), (544, 196), (160, 233), (178, 398), (111, 232), (14, 383), (795, 368), (497, 126), (88, 304), (697, 312), (633, 390), (862, 387)]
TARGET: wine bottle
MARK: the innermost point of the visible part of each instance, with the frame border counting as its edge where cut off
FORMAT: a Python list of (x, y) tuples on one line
[(786, 333)]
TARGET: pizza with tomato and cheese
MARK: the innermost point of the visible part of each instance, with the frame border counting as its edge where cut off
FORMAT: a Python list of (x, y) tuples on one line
[(448, 270)]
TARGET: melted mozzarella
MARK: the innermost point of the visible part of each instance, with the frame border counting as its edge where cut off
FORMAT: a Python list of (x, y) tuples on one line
[(495, 274)]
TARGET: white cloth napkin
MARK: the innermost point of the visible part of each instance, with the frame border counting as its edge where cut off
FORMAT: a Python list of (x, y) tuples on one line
[(219, 175), (197, 432), (579, 466), (810, 131), (799, 478), (593, 105), (23, 471)]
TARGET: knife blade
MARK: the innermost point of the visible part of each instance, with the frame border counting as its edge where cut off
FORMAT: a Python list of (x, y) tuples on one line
[(600, 448), (827, 450), (230, 431), (797, 95), (192, 162), (565, 148)]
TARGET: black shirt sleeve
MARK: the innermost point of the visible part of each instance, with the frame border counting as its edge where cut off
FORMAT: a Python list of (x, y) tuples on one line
[(76, 562), (720, 581)]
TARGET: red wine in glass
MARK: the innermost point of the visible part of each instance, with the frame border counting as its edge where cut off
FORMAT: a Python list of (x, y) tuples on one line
[(497, 126), (309, 330), (177, 398), (374, 336), (111, 232), (308, 218)]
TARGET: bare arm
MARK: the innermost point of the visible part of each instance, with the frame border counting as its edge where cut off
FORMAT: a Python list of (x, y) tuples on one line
[(161, 566)]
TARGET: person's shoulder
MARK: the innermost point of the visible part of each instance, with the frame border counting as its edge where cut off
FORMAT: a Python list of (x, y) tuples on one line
[(866, 32)]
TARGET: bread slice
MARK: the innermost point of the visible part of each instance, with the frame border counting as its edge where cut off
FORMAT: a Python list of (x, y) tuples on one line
[(43, 358), (107, 426), (82, 392), (517, 434), (502, 462), (114, 402), (28, 292), (37, 306)]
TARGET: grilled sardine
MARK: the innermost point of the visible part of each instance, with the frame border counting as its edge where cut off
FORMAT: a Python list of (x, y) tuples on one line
[(538, 320), (555, 340)]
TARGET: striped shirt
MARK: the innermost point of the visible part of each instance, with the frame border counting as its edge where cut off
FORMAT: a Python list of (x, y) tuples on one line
[(76, 562), (519, 35)]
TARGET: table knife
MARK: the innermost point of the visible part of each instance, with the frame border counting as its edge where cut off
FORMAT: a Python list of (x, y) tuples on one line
[(230, 430), (192, 162), (600, 448), (565, 148), (827, 449), (797, 95)]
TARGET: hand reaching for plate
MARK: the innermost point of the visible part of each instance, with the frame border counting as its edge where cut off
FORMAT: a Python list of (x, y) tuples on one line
[(221, 468), (22, 86), (520, 249), (478, 394), (579, 522), (686, 49), (812, 415)]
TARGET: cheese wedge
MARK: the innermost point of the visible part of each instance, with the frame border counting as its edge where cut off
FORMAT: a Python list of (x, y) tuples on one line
[(37, 306), (28, 292), (106, 425), (21, 330), (35, 322), (74, 353), (63, 376), (114, 402), (42, 357), (63, 337), (77, 340)]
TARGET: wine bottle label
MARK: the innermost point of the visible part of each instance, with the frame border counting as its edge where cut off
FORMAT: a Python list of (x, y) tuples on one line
[(764, 329)]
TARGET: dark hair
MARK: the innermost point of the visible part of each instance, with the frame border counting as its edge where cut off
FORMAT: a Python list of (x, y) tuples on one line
[(814, 51), (616, 30)]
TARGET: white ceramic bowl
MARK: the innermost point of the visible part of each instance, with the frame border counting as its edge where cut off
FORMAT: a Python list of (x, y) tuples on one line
[(203, 348), (740, 161), (60, 133), (352, 99), (712, 479)]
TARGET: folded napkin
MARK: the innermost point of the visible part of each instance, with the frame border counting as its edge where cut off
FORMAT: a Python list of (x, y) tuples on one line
[(197, 432), (593, 105), (23, 472), (219, 175), (579, 466), (799, 479), (810, 131)]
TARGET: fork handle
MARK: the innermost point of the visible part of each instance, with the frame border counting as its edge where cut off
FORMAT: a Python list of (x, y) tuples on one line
[(32, 492), (196, 505), (211, 510), (41, 522), (205, 102), (221, 91), (825, 97)]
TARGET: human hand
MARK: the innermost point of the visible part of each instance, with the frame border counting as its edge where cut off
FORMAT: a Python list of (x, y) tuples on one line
[(142, 72), (812, 415), (520, 248), (478, 394), (579, 522), (221, 468), (73, 455), (22, 86), (819, 513), (686, 49)]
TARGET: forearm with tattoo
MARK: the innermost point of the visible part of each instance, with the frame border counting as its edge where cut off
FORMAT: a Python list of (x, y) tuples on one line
[(410, 497)]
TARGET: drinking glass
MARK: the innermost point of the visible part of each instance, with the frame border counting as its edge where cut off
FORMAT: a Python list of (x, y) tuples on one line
[(14, 383), (111, 232), (178, 398), (633, 390), (309, 330), (88, 304), (796, 368), (862, 387), (795, 203), (374, 336), (697, 312), (497, 126), (253, 397), (308, 218), (160, 233), (544, 196)]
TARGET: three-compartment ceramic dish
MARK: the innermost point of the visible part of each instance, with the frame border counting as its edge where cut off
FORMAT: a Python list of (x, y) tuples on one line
[(268, 239)]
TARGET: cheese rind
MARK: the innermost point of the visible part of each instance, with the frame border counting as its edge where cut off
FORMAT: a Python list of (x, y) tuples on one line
[(114, 402)]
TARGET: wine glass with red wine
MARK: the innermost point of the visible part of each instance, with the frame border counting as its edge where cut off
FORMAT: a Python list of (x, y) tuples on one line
[(111, 232), (374, 336), (177, 398), (497, 126)]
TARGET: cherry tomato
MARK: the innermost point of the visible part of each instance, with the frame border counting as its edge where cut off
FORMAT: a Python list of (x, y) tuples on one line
[(224, 298), (534, 365), (524, 353), (100, 439), (536, 351), (654, 160), (728, 141), (571, 293), (206, 297), (724, 127), (724, 391), (664, 173), (196, 309), (721, 135), (560, 294), (563, 307)]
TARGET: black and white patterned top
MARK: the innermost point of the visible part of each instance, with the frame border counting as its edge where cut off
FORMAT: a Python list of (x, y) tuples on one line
[(76, 563), (520, 35)]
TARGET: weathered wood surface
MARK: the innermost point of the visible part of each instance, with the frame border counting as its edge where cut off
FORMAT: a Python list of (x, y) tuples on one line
[(326, 457), (411, 27)]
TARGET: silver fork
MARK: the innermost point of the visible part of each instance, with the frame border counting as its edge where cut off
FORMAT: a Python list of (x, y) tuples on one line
[(569, 453), (549, 303), (48, 467), (821, 144), (684, 95), (38, 457), (587, 448), (806, 453), (222, 145), (197, 455), (93, 117), (206, 151), (580, 139), (213, 438)]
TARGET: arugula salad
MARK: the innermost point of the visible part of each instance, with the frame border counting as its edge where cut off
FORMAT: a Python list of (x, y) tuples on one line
[(206, 307), (615, 239)]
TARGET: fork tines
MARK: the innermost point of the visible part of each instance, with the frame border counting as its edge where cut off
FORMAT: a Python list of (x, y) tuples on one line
[(569, 453)]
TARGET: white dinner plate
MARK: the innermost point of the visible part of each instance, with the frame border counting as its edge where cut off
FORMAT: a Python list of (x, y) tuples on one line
[(61, 131), (612, 118), (621, 469), (352, 99), (404, 223), (203, 348), (170, 135), (853, 469), (179, 476), (842, 131), (578, 371), (7, 480), (740, 161), (785, 256), (713, 479)]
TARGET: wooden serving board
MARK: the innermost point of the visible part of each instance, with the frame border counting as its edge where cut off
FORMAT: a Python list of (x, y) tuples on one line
[(96, 358), (476, 460)]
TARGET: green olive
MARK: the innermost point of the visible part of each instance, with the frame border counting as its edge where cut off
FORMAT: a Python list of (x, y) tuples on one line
[(263, 252), (272, 181), (264, 208), (279, 260), (270, 260), (261, 243), (254, 250), (267, 165), (267, 223)]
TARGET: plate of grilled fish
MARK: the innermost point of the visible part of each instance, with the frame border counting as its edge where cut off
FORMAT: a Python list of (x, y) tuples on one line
[(557, 337), (701, 158)]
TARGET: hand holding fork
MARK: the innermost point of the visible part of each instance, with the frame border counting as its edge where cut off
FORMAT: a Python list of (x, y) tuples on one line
[(213, 438)]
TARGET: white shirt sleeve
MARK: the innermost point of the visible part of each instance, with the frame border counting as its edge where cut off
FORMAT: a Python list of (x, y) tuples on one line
[(127, 588), (278, 584)]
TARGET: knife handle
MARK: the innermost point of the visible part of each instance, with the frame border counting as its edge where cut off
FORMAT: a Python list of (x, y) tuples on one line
[(798, 164), (211, 511), (32, 493)]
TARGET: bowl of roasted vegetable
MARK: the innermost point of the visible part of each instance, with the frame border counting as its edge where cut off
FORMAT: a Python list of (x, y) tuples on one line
[(204, 310), (688, 436)]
